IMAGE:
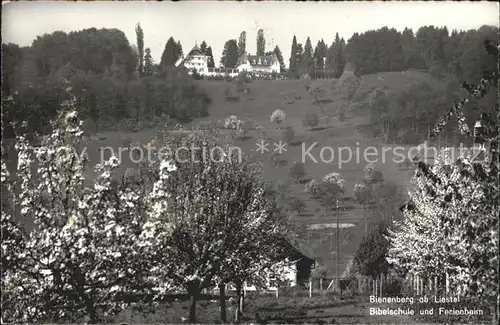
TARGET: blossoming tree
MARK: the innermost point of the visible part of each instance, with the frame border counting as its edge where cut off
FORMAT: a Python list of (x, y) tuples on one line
[(451, 222), (277, 117), (83, 258)]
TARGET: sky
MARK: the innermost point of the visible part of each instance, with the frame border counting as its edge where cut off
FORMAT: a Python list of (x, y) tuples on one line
[(216, 22)]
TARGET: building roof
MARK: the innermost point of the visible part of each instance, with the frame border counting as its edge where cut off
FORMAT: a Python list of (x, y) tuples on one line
[(196, 51), (295, 249), (256, 60)]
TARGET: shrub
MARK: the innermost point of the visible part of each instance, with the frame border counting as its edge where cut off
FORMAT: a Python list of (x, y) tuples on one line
[(297, 204), (227, 93), (311, 119), (241, 87), (278, 116), (341, 115), (318, 92), (196, 75), (243, 76), (312, 187), (297, 171), (277, 159), (288, 134)]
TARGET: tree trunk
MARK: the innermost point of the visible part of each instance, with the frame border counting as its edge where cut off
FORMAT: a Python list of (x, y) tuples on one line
[(138, 110), (194, 293), (428, 133), (90, 307), (381, 284), (239, 302), (222, 302), (366, 219), (495, 313)]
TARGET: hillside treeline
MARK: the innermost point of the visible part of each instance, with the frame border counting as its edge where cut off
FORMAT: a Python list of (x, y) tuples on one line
[(407, 113), (443, 53), (457, 53), (108, 75)]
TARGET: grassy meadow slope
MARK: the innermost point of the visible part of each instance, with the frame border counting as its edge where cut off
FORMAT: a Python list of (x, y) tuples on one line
[(265, 97)]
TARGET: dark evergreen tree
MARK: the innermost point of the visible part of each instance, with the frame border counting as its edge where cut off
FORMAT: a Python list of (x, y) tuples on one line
[(261, 42), (277, 51), (204, 47), (299, 54), (140, 47), (407, 41), (148, 63), (210, 58), (170, 54), (397, 58), (242, 43), (230, 54), (307, 63), (179, 51), (292, 67), (335, 57), (320, 52), (370, 258)]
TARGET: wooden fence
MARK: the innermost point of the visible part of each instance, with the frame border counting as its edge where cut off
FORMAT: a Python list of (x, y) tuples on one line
[(388, 285), (358, 286)]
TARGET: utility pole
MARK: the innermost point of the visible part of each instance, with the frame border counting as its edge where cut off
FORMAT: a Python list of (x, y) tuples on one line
[(324, 67), (338, 246), (314, 59)]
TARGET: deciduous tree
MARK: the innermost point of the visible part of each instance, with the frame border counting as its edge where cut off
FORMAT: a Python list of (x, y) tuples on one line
[(84, 258)]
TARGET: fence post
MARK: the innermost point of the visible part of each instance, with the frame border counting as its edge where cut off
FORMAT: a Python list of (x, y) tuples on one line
[(310, 287), (435, 285), (381, 284), (447, 283)]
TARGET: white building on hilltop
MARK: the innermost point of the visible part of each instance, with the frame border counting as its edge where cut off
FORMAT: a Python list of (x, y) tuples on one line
[(197, 60), (266, 64), (194, 60)]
